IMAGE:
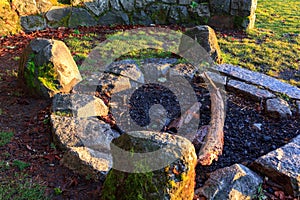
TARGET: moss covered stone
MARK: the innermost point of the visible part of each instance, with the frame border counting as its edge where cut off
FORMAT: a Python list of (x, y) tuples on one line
[(140, 179)]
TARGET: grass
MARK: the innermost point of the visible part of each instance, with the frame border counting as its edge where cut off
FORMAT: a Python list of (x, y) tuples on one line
[(273, 46), (5, 137)]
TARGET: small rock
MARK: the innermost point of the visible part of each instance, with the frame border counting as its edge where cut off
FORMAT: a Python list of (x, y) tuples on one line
[(234, 182), (257, 126), (278, 108)]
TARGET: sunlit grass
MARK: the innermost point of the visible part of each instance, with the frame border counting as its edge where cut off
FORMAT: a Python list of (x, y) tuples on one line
[(273, 46)]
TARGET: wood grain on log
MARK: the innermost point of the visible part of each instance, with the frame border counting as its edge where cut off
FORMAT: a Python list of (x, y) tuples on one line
[(214, 140)]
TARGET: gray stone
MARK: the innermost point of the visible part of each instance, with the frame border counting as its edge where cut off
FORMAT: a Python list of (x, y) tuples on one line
[(234, 182), (185, 70), (143, 3), (282, 166), (48, 68), (114, 18), (178, 14), (249, 90), (141, 18), (155, 165), (185, 2), (260, 79), (126, 68), (87, 144), (207, 38), (216, 78), (156, 68), (25, 7), (159, 13), (115, 5), (203, 10), (128, 5), (97, 6), (58, 16), (81, 17), (220, 6), (278, 108), (79, 105), (33, 23), (243, 8)]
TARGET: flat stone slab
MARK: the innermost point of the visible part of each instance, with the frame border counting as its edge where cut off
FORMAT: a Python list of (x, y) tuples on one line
[(278, 108), (234, 182), (250, 90), (283, 166), (260, 79)]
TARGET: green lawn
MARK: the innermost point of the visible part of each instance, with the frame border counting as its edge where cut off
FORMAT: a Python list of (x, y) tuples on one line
[(273, 46)]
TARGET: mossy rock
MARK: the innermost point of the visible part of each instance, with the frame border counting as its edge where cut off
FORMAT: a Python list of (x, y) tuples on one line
[(47, 68), (174, 180)]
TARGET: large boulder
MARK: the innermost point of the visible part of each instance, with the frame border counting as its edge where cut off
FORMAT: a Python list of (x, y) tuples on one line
[(207, 38), (47, 68), (151, 165)]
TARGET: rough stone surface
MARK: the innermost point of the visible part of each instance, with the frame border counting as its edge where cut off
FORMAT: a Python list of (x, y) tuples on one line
[(8, 15), (113, 18), (220, 6), (43, 5), (58, 16), (283, 166), (216, 78), (207, 38), (243, 8), (159, 13), (141, 18), (156, 68), (174, 180), (25, 7), (234, 182), (115, 4), (79, 105), (278, 108), (81, 17), (87, 141), (250, 90), (47, 67), (128, 5), (260, 79), (33, 23), (97, 6), (126, 68)]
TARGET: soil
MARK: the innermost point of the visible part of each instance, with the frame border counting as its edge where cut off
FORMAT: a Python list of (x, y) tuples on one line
[(28, 119)]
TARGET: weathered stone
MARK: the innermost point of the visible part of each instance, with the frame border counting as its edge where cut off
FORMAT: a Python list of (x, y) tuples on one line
[(249, 90), (141, 18), (83, 161), (81, 17), (185, 2), (221, 21), (128, 5), (234, 182), (158, 13), (43, 5), (151, 165), (243, 8), (220, 6), (156, 67), (33, 23), (278, 108), (218, 79), (256, 78), (9, 19), (25, 7), (79, 105), (114, 18), (143, 3), (178, 14), (115, 4), (48, 68), (282, 166), (58, 16), (203, 10), (75, 2), (96, 6), (207, 38), (183, 70), (126, 68)]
